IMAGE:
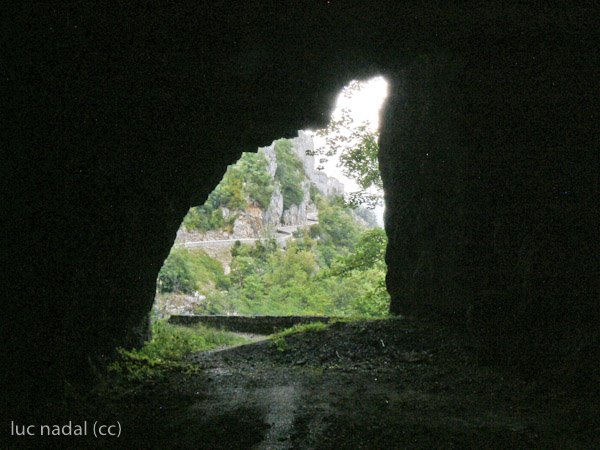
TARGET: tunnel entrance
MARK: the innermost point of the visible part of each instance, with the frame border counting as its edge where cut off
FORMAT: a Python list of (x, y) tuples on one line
[(489, 160), (276, 241), (294, 229)]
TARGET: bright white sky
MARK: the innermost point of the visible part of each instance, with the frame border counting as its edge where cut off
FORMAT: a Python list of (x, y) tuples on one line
[(364, 105)]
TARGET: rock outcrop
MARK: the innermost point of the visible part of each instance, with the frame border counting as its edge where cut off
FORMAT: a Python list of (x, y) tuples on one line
[(304, 146), (298, 214), (248, 223), (254, 222), (274, 212)]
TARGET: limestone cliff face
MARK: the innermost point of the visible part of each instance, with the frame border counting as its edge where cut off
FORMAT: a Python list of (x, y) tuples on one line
[(256, 222), (297, 214), (272, 215), (269, 153), (325, 184)]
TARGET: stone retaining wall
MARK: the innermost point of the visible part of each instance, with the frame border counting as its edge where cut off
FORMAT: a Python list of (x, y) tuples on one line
[(249, 324)]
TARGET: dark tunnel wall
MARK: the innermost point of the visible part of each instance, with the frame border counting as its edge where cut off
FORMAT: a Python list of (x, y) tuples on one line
[(490, 169), (117, 120)]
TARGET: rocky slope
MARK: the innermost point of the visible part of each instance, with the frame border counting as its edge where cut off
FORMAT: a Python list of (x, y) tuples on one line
[(256, 222)]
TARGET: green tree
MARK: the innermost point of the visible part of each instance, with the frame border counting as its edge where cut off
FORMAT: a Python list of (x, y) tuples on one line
[(257, 183), (241, 268), (368, 253), (293, 266), (176, 274), (337, 230), (357, 148), (186, 271), (360, 163), (364, 268)]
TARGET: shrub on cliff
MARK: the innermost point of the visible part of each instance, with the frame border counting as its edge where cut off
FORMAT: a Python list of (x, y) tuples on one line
[(290, 173), (247, 181)]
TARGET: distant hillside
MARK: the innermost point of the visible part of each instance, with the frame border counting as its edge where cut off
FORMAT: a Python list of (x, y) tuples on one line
[(275, 187), (272, 238)]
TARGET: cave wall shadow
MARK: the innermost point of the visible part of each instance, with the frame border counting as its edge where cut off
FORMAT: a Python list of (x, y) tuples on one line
[(489, 172)]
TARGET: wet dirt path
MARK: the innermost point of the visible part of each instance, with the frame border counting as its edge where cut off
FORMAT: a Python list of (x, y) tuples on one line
[(371, 386), (384, 384)]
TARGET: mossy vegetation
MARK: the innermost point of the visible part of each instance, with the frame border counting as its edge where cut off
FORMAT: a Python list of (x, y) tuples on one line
[(168, 348), (301, 328), (173, 342), (278, 339)]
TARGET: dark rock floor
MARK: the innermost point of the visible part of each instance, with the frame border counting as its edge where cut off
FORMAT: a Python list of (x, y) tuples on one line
[(386, 384)]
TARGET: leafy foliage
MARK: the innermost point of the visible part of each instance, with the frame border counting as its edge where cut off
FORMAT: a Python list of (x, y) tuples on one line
[(258, 185), (245, 182), (357, 148), (187, 271), (313, 275), (369, 253), (360, 163), (367, 266), (337, 230)]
